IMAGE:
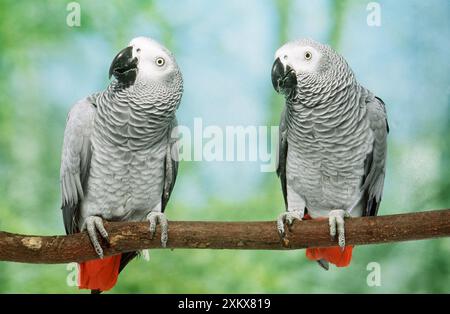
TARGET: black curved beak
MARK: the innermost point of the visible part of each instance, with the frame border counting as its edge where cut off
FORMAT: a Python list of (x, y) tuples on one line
[(284, 79), (124, 66)]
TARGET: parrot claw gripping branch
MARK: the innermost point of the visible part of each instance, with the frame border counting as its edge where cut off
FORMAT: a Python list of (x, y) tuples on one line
[(119, 165)]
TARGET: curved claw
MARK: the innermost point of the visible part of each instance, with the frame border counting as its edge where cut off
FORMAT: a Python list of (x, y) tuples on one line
[(287, 218), (336, 222), (159, 218), (92, 225)]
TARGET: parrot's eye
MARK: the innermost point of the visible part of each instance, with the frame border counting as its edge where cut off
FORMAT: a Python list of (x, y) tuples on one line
[(160, 61), (308, 55), (138, 50)]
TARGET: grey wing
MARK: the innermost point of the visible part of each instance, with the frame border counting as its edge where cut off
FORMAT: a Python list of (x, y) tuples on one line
[(75, 161), (170, 164), (376, 161), (282, 155)]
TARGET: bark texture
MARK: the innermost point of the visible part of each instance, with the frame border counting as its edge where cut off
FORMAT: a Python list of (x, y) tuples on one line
[(132, 236)]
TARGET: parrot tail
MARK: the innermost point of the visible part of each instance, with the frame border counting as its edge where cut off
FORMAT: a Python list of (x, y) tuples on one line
[(334, 255), (100, 274)]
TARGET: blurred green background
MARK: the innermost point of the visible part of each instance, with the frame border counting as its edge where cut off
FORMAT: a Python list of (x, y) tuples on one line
[(225, 50)]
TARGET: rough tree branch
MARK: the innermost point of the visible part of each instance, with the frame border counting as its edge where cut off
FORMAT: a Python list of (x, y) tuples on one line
[(125, 237)]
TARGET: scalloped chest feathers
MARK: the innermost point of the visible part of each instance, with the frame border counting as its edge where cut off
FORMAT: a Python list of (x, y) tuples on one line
[(327, 149), (127, 167)]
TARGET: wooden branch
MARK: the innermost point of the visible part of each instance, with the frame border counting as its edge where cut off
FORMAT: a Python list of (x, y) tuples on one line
[(125, 237)]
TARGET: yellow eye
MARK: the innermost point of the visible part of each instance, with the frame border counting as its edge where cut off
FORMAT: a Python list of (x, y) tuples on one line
[(160, 61), (308, 55)]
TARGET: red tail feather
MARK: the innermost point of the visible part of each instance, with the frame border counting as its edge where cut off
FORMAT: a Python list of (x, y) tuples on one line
[(100, 274), (335, 255)]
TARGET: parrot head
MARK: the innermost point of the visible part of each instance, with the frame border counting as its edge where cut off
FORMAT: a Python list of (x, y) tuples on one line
[(304, 62), (144, 60)]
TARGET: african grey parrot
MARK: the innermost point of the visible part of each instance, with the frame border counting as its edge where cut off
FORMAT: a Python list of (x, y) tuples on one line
[(119, 156), (333, 139)]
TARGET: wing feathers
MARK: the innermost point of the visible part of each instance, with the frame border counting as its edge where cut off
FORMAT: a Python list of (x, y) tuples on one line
[(171, 165), (282, 155), (75, 160), (375, 173)]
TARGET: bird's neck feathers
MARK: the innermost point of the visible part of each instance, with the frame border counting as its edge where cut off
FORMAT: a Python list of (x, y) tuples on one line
[(324, 91), (153, 101), (143, 112), (151, 96), (337, 96)]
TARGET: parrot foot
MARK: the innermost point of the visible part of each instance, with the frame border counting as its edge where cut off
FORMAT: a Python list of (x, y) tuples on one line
[(92, 225), (154, 218), (336, 222), (287, 218)]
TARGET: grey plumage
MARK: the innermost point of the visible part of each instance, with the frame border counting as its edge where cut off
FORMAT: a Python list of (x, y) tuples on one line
[(282, 155), (119, 156), (333, 134), (75, 161), (130, 139)]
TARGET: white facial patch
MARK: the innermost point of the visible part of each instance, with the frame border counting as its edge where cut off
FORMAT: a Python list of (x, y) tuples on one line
[(147, 49), (303, 59), (154, 59)]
